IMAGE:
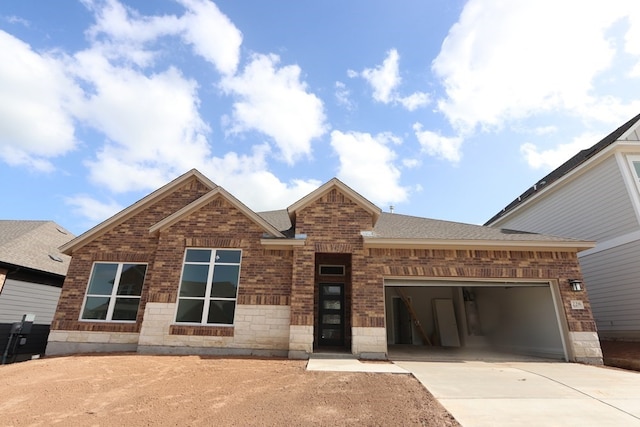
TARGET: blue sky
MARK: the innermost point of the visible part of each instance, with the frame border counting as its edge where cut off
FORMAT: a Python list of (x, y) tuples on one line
[(444, 109)]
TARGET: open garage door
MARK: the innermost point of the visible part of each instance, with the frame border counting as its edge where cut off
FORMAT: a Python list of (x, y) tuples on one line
[(517, 318)]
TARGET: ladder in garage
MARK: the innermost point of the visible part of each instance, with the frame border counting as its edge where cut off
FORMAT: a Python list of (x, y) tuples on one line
[(414, 317)]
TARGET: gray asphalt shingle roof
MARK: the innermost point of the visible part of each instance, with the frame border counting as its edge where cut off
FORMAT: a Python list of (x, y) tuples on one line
[(34, 245), (398, 226)]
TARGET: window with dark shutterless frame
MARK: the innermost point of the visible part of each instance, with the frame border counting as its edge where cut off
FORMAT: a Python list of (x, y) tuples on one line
[(113, 293)]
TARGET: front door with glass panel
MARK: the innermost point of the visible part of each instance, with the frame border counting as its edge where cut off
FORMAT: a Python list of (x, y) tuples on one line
[(331, 314)]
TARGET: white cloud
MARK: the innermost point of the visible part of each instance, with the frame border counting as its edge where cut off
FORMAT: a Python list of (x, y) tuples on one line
[(91, 208), (343, 96), (414, 101), (35, 101), (552, 158), (411, 163), (367, 164), (247, 177), (123, 33), (434, 144), (18, 20), (275, 101), (152, 123), (385, 79), (212, 34), (509, 60)]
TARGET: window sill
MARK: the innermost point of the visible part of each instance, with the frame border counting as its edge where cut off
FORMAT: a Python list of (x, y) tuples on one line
[(202, 330)]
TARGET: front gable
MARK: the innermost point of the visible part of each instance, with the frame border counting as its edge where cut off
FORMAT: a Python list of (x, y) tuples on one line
[(133, 222), (215, 196), (333, 210)]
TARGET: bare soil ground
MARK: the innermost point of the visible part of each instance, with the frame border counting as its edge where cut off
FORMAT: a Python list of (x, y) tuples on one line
[(621, 354), (120, 389)]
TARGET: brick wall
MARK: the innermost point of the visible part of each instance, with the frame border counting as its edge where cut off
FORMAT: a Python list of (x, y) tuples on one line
[(265, 275), (128, 241), (476, 264), (332, 224)]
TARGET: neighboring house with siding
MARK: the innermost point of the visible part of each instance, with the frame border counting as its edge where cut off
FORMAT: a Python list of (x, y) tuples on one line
[(595, 195), (189, 269), (32, 271)]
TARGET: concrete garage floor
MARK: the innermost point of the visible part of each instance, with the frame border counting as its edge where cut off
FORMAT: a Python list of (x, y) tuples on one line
[(446, 354)]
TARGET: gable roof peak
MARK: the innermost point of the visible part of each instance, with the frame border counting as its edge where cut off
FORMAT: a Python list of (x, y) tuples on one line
[(207, 198), (335, 183), (128, 212)]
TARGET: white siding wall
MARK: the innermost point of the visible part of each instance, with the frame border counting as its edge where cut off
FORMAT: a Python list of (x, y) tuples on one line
[(596, 206), (19, 298), (612, 278)]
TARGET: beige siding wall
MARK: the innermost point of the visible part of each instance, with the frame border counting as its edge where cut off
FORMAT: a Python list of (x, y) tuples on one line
[(612, 278), (594, 207)]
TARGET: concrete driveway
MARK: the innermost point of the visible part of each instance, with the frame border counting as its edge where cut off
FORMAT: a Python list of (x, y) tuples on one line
[(481, 393)]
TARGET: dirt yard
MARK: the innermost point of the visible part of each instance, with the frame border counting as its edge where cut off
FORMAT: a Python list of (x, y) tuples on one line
[(118, 390), (621, 354)]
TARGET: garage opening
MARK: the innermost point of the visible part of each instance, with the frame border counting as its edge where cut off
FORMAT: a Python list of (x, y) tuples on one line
[(473, 318)]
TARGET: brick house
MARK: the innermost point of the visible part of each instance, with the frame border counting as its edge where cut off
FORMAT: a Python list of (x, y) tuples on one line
[(189, 269)]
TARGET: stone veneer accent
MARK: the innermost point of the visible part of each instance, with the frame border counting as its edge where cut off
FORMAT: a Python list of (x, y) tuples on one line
[(66, 342), (369, 343), (256, 327), (300, 341), (585, 347)]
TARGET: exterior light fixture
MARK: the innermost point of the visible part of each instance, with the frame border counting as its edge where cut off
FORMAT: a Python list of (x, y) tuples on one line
[(576, 285)]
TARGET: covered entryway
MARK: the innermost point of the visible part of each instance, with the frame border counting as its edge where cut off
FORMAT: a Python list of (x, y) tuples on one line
[(473, 318), (332, 302)]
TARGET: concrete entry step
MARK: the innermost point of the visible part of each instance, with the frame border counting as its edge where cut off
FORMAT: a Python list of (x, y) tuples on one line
[(319, 354)]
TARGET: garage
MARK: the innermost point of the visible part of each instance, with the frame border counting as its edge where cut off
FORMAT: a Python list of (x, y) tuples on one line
[(474, 317)]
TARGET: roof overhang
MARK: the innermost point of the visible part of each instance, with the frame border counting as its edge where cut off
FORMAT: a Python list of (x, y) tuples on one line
[(134, 209), (520, 245)]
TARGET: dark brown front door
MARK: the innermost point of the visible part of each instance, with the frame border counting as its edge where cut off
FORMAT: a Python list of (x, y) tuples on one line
[(331, 311)]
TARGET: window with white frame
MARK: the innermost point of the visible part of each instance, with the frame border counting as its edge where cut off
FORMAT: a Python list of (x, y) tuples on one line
[(209, 286), (634, 164), (113, 293)]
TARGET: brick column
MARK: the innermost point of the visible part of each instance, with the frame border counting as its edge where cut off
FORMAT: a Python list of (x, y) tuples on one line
[(301, 329)]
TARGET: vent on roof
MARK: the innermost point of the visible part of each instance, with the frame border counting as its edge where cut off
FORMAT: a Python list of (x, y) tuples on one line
[(56, 258), (61, 231)]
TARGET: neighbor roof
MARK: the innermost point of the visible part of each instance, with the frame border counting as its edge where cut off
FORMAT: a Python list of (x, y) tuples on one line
[(568, 166), (34, 245)]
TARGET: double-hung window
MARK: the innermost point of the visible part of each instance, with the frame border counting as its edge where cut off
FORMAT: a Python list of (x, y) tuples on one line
[(113, 293), (209, 286)]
